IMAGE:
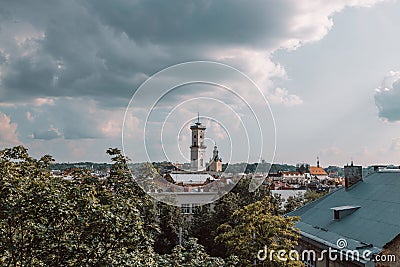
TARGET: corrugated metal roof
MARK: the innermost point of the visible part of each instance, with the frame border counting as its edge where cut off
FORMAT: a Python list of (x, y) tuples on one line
[(376, 222)]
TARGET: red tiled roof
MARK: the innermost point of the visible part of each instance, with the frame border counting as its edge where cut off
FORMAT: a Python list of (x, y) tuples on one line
[(314, 170)]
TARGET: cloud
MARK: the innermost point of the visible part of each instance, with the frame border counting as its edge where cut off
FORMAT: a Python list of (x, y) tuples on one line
[(104, 49), (387, 97), (70, 67), (395, 145), (332, 151), (79, 118), (8, 131), (282, 96), (37, 102), (29, 116), (49, 134), (66, 118)]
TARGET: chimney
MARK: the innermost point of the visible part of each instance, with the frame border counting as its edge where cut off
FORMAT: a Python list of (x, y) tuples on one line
[(352, 175), (342, 211)]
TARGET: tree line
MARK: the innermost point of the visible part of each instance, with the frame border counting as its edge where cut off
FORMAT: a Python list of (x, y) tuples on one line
[(87, 221)]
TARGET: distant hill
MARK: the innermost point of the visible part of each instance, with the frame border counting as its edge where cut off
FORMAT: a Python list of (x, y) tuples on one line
[(251, 167), (282, 168), (84, 165)]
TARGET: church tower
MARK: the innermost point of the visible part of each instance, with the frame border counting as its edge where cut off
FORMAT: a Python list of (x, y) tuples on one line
[(215, 162), (198, 149)]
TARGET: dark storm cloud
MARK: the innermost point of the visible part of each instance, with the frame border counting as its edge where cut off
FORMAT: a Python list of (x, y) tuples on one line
[(2, 58), (73, 55), (105, 49), (30, 76), (198, 22), (74, 52)]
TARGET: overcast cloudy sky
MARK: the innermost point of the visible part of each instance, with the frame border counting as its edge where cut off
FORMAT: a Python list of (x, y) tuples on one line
[(329, 69)]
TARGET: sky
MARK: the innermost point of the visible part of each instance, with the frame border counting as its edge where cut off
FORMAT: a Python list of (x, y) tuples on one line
[(71, 75)]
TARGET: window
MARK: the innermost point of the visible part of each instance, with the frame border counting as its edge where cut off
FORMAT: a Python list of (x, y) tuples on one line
[(185, 208), (195, 207), (194, 136), (309, 261), (195, 143)]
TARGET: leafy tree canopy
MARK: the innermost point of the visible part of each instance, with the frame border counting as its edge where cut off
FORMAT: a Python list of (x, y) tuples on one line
[(255, 227)]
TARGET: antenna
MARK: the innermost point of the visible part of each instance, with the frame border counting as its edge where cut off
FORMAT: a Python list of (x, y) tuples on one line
[(198, 119)]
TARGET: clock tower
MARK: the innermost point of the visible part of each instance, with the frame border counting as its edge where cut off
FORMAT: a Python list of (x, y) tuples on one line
[(198, 148)]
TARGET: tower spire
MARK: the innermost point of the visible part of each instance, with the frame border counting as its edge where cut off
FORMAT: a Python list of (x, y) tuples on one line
[(198, 119)]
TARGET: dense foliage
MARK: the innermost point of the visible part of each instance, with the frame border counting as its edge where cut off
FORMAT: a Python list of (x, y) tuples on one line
[(85, 220), (254, 228), (52, 221)]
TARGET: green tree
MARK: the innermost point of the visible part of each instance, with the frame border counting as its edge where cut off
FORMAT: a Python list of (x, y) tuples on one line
[(245, 196), (297, 201), (254, 228), (206, 221), (203, 225), (171, 224), (24, 195), (121, 182), (294, 202), (277, 203), (310, 196), (192, 254), (45, 220)]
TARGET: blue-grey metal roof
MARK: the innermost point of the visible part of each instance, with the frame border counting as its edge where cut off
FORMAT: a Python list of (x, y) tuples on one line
[(191, 178), (376, 222)]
